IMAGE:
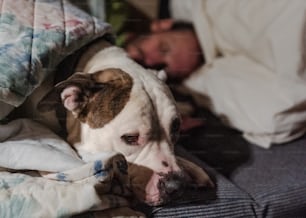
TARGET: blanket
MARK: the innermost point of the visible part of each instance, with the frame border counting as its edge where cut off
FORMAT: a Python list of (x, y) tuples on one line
[(35, 36), (69, 186), (254, 75)]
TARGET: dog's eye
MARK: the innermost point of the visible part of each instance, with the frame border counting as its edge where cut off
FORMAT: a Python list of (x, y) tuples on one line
[(175, 129), (130, 139)]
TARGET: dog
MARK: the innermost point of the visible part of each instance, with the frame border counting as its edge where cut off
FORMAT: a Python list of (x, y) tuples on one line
[(114, 104)]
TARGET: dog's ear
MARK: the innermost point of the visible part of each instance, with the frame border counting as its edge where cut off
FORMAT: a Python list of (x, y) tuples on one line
[(92, 98), (68, 92), (199, 177)]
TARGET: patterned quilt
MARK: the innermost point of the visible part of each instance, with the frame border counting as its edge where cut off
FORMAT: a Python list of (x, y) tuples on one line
[(35, 35)]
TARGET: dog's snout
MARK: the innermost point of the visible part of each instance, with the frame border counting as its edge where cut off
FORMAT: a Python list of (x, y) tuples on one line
[(172, 185)]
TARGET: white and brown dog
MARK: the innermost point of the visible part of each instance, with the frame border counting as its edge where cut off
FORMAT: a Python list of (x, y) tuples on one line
[(114, 104)]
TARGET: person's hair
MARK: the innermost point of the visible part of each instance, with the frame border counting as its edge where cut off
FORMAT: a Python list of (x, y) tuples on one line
[(182, 25)]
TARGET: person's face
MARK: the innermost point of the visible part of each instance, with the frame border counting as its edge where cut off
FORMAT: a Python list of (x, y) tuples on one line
[(178, 51)]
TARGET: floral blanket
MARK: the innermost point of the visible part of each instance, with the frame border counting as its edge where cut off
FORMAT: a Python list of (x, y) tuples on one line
[(69, 186), (35, 35)]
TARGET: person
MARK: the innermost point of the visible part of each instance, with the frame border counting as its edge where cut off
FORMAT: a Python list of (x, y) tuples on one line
[(171, 45), (247, 57)]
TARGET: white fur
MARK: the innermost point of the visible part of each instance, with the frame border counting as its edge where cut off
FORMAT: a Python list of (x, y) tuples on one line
[(150, 101), (150, 111)]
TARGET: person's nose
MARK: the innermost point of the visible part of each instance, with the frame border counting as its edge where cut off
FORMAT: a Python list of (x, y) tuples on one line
[(152, 58)]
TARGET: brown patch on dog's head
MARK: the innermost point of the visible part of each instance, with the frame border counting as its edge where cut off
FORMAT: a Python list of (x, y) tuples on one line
[(93, 98)]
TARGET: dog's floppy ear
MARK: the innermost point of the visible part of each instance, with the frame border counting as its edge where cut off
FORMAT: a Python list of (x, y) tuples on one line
[(92, 98), (196, 173), (71, 89)]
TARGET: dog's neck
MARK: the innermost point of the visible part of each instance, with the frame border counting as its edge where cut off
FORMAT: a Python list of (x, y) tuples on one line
[(89, 54)]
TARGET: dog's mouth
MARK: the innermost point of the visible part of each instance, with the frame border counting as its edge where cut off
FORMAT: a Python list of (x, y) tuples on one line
[(162, 188), (172, 186)]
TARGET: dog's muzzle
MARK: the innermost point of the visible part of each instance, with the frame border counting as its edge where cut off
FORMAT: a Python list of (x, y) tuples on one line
[(164, 188), (171, 186)]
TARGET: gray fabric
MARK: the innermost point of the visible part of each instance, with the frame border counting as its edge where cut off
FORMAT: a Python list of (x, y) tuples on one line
[(251, 181), (276, 179), (226, 200)]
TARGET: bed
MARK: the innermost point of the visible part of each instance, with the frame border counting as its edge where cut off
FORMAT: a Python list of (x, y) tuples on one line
[(35, 37)]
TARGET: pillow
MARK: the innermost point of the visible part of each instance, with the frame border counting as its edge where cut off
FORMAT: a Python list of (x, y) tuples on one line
[(34, 37)]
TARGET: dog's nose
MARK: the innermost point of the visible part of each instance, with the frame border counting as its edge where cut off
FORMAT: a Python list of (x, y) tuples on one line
[(171, 185)]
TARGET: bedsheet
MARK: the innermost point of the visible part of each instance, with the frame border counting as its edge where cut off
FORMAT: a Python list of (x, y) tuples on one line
[(68, 186)]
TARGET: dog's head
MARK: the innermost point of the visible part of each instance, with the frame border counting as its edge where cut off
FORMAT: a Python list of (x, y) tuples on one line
[(131, 113)]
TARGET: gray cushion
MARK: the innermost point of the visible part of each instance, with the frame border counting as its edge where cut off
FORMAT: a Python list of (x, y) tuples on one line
[(251, 181), (276, 179), (226, 200)]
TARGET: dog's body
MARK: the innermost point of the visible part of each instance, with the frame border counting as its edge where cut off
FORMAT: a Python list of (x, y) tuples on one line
[(114, 104)]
